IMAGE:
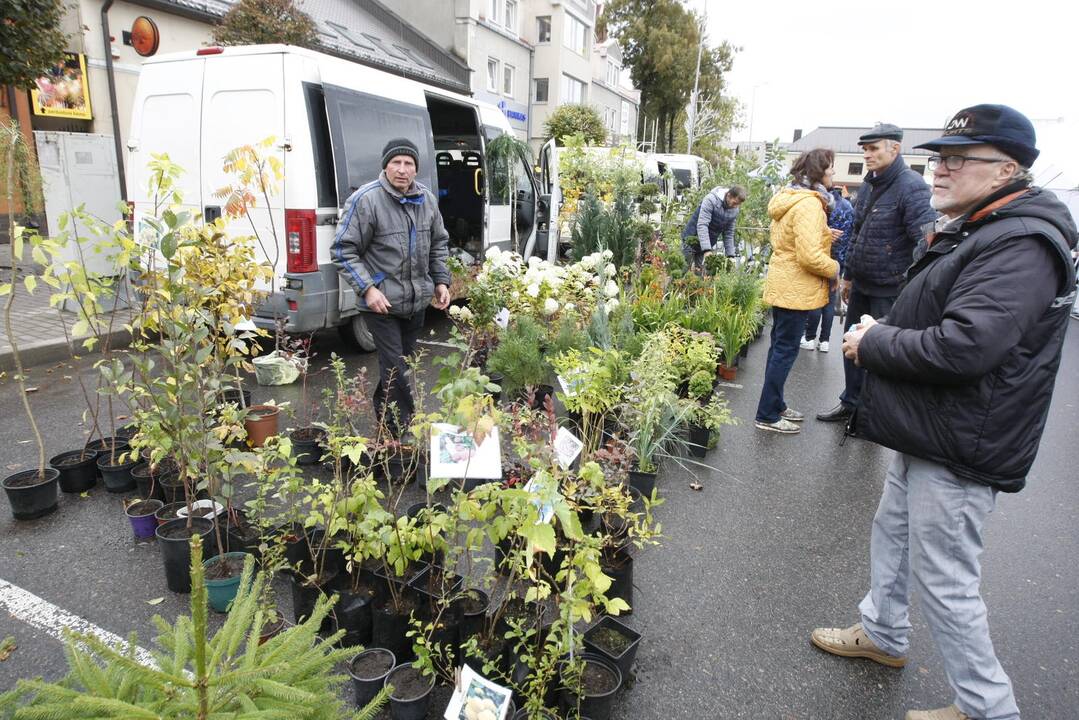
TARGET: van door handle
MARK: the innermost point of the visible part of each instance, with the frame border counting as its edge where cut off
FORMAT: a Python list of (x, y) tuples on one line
[(476, 181)]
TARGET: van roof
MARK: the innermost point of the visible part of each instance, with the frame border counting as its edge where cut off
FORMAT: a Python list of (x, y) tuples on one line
[(490, 111)]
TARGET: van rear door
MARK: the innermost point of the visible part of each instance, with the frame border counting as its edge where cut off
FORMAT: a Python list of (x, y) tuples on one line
[(243, 103), (166, 119)]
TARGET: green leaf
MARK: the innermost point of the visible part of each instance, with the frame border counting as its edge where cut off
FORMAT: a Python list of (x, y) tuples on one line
[(30, 281), (5, 289), (541, 537), (168, 246)]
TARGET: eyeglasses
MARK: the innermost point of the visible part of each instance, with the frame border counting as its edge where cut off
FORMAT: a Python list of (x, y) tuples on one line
[(955, 163)]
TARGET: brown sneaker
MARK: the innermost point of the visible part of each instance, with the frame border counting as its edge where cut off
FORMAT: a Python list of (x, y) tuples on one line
[(949, 713), (854, 643)]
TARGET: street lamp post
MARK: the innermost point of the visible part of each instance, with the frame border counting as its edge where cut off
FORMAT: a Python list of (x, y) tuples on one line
[(753, 108)]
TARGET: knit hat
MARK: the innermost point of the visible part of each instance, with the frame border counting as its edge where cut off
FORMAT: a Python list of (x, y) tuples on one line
[(400, 146), (996, 125)]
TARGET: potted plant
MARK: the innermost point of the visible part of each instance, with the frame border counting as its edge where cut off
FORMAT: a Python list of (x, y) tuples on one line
[(731, 334), (705, 421), (32, 493), (519, 359)]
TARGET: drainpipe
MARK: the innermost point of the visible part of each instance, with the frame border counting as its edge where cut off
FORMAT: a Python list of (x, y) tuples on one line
[(106, 36), (528, 89)]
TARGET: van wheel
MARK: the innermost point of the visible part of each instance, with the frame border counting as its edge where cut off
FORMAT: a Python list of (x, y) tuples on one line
[(356, 335)]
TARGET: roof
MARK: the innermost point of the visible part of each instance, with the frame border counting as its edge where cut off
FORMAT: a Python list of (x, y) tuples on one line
[(845, 139), (364, 31)]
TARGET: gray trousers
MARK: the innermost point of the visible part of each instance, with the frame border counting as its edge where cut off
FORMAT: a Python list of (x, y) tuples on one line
[(928, 529)]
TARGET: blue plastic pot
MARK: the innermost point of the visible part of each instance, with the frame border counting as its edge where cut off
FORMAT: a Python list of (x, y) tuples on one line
[(223, 592)]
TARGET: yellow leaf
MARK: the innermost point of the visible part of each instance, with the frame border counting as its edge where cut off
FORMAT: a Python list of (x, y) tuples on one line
[(30, 282), (155, 601)]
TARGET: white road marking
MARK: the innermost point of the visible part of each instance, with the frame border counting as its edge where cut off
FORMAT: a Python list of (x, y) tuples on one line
[(436, 343), (33, 610), (724, 383)]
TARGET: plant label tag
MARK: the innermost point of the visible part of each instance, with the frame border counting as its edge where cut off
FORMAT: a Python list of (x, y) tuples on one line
[(567, 447), (477, 698), (502, 318)]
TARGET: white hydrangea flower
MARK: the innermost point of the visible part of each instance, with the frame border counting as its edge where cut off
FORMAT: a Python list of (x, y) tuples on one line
[(570, 307), (612, 305), (550, 307), (608, 254), (533, 290), (611, 289), (611, 271)]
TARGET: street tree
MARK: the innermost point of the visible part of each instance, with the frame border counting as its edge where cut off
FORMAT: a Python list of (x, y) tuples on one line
[(576, 120), (32, 40), (257, 22)]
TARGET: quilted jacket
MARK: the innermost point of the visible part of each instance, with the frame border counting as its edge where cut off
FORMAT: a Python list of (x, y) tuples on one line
[(800, 268)]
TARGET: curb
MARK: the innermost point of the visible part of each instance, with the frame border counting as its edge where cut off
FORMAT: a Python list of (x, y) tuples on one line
[(47, 352)]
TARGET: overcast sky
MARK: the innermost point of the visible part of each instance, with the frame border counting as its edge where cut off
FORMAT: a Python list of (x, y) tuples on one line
[(913, 63)]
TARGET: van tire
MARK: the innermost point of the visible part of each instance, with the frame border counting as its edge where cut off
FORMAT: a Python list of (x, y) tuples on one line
[(356, 335)]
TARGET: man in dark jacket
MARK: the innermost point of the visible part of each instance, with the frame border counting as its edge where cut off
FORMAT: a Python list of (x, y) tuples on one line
[(961, 373), (891, 213), (392, 246)]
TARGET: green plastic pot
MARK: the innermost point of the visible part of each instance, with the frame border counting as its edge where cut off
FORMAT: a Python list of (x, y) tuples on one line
[(222, 592)]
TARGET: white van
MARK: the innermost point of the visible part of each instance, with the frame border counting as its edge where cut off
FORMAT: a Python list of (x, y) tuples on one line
[(688, 170), (332, 118)]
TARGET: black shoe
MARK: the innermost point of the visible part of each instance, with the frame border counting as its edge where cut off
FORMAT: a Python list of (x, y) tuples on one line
[(840, 413)]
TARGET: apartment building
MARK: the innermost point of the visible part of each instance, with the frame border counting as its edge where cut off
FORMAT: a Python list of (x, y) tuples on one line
[(616, 104)]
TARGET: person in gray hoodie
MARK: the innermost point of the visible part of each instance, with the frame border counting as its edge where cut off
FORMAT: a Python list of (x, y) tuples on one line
[(392, 247)]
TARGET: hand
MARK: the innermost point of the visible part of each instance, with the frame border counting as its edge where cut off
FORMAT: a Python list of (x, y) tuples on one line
[(441, 300), (853, 338), (844, 290), (376, 301), (836, 233)]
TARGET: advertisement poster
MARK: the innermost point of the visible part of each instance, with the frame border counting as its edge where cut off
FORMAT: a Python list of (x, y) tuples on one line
[(64, 92)]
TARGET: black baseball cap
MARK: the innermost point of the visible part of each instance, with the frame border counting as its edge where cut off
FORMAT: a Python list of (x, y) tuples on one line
[(882, 131), (998, 125)]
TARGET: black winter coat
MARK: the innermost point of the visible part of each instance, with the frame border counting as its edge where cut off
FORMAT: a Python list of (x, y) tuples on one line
[(961, 371), (886, 234)]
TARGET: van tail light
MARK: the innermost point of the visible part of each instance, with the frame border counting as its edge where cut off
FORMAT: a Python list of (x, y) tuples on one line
[(300, 241), (212, 50)]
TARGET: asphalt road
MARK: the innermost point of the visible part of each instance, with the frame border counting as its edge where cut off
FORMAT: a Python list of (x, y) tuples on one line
[(775, 544)]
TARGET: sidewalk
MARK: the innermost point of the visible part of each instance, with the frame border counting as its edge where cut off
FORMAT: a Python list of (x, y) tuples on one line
[(38, 327)]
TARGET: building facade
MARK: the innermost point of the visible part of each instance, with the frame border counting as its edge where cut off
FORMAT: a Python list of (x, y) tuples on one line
[(616, 104)]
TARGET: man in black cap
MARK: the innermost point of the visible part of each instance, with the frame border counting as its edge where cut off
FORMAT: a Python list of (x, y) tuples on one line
[(890, 216), (392, 246), (960, 376)]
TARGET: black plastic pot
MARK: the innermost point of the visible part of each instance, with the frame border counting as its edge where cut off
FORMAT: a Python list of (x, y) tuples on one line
[(473, 616), (237, 396), (117, 477), (621, 573), (643, 481), (409, 705), (128, 431), (108, 447), (497, 379), (30, 496), (698, 440), (352, 613), (242, 537), (173, 538), (145, 482), (595, 705), (172, 488), (370, 677), (388, 628), (522, 714), (78, 471), (304, 597), (623, 657), (307, 445)]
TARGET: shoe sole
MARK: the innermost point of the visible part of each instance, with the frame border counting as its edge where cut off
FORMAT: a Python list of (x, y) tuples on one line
[(879, 658), (829, 419), (791, 419), (766, 426)]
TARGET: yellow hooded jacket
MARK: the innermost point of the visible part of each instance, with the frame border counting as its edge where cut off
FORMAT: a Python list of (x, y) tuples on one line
[(801, 266)]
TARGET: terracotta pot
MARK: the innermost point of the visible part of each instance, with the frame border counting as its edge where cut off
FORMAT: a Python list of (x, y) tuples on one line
[(261, 423), (727, 372)]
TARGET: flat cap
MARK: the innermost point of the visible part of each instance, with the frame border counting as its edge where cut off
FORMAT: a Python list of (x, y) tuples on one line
[(882, 131)]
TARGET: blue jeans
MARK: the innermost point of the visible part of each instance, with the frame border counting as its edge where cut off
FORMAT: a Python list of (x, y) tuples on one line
[(823, 318), (787, 329), (860, 304), (927, 536)]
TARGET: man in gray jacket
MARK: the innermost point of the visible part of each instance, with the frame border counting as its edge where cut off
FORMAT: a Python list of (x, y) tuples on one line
[(392, 247), (714, 219)]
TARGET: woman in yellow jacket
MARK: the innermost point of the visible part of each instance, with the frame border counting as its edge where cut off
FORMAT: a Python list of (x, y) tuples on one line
[(799, 276)]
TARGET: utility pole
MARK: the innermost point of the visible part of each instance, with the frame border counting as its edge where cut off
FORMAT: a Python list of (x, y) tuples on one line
[(692, 129)]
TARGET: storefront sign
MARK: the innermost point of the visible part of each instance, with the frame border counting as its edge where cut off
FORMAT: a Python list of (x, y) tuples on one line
[(512, 114), (64, 90)]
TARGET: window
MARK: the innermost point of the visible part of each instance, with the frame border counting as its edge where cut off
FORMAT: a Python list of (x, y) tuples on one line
[(492, 75), (576, 36), (612, 74), (511, 16), (854, 169), (320, 145), (540, 88), (492, 11), (508, 77), (625, 118), (572, 90), (543, 29), (920, 169)]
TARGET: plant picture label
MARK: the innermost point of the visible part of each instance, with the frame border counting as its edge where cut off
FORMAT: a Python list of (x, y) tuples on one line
[(455, 454), (477, 698), (502, 319), (567, 446)]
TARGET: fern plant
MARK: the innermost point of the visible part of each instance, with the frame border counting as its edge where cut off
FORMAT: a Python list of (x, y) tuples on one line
[(229, 676)]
